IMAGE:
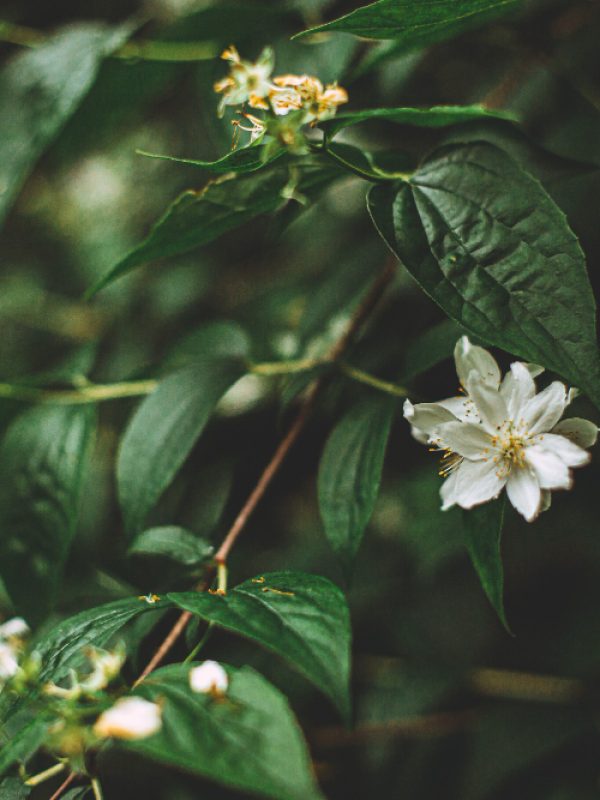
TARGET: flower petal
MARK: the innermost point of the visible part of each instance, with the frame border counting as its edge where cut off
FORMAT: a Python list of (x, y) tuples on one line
[(488, 402), (580, 431), (524, 492), (472, 483), (468, 357), (469, 441), (462, 407), (426, 417), (543, 411), (518, 387), (551, 471), (565, 449)]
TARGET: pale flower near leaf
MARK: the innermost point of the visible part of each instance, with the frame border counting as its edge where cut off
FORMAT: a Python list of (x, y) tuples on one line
[(129, 718), (502, 434), (209, 678), (247, 82)]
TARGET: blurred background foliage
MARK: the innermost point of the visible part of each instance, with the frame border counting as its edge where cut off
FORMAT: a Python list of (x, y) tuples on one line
[(443, 708)]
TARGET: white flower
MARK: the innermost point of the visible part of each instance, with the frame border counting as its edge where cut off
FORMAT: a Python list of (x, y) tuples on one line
[(209, 678), (247, 82), (14, 628), (9, 664), (502, 434), (106, 666), (129, 718)]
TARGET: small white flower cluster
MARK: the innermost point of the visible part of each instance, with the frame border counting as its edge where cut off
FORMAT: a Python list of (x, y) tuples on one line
[(135, 718), (12, 636), (251, 83), (502, 434)]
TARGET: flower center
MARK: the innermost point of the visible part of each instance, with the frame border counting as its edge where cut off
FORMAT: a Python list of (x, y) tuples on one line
[(510, 444)]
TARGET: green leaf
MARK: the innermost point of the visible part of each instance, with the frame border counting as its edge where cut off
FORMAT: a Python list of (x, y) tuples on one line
[(243, 159), (486, 242), (350, 474), (163, 430), (61, 648), (434, 117), (211, 340), (199, 217), (40, 89), (249, 740), (42, 460), (303, 618), (417, 23), (14, 789), (23, 744), (174, 543), (482, 528)]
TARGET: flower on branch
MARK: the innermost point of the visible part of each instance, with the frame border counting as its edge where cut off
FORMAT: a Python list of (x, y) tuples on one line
[(129, 718), (501, 433), (247, 82), (209, 678)]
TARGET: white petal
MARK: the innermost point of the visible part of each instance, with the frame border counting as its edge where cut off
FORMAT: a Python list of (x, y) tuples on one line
[(517, 388), (8, 663), (474, 482), (544, 410), (550, 470), (427, 416), (129, 718), (524, 492), (469, 357), (462, 407), (209, 678), (565, 449), (448, 490), (580, 431), (469, 441), (488, 401), (14, 627)]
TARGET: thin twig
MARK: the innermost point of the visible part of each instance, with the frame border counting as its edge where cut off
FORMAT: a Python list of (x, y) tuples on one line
[(360, 316), (64, 785)]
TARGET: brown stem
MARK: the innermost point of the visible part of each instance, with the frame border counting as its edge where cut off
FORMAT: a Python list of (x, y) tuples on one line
[(360, 316), (64, 785)]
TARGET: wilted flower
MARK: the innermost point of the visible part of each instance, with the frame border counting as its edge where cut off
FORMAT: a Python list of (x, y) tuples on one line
[(318, 103), (247, 82), (105, 665), (129, 718), (209, 678), (502, 434)]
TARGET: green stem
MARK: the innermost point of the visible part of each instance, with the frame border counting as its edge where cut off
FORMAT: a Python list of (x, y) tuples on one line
[(192, 655), (145, 50), (371, 380), (97, 789), (270, 368), (35, 780), (85, 394)]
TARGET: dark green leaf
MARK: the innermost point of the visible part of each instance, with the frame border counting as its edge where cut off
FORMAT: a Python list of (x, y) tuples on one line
[(350, 474), (61, 648), (23, 744), (243, 159), (434, 117), (429, 348), (482, 527), (163, 430), (14, 789), (199, 217), (39, 90), (417, 23), (42, 460), (303, 618), (212, 340), (249, 740), (487, 243), (174, 543)]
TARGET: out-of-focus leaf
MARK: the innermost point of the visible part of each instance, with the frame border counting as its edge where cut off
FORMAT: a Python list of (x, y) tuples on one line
[(213, 340), (303, 618), (14, 789), (23, 744), (249, 740), (417, 23), (42, 461), (40, 89), (428, 349), (243, 159), (434, 117), (199, 217), (174, 543), (163, 430), (350, 474), (482, 528), (487, 243)]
